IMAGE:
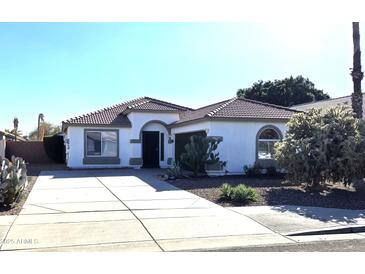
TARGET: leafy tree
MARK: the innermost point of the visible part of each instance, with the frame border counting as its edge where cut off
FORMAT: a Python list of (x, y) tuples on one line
[(49, 129), (198, 152), (322, 147), (287, 92)]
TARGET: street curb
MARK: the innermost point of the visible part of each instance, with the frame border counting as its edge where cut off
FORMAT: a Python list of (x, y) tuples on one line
[(341, 230)]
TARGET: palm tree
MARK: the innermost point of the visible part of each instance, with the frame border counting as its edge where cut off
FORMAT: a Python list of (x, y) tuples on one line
[(40, 120), (356, 73), (16, 125)]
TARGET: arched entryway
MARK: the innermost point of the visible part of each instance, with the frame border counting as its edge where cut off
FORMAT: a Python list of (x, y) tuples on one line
[(154, 135)]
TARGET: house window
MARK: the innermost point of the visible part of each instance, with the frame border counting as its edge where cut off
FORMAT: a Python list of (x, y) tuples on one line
[(266, 142), (101, 144)]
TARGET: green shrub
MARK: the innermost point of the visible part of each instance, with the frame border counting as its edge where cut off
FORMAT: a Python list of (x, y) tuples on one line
[(243, 194), (238, 194), (252, 171), (226, 190), (198, 152), (323, 146), (13, 177), (175, 172)]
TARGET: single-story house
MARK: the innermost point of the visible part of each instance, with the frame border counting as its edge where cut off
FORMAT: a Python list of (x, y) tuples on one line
[(147, 132)]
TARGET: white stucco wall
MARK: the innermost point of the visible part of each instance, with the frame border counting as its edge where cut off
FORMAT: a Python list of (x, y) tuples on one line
[(198, 126), (75, 136), (139, 119), (238, 147)]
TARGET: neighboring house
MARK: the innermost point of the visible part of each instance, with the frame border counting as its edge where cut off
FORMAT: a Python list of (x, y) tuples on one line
[(325, 104), (147, 132)]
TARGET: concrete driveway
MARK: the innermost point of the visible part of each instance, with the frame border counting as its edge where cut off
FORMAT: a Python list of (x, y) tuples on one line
[(124, 210)]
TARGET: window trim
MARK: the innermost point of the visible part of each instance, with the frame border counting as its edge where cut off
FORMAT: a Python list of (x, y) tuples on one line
[(277, 130), (95, 159)]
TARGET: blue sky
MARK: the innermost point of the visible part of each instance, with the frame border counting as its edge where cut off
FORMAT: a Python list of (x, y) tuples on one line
[(67, 69)]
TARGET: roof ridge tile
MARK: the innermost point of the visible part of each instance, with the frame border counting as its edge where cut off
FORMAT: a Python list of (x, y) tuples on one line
[(165, 103), (138, 104)]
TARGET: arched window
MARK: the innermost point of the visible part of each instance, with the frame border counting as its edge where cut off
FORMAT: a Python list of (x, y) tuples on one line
[(266, 141)]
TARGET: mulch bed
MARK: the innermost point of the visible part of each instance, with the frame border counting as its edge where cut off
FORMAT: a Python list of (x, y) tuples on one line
[(32, 172), (275, 192)]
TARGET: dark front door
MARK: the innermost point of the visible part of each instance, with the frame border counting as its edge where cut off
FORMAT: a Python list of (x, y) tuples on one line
[(150, 149)]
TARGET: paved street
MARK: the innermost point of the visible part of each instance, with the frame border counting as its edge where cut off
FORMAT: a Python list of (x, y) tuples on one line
[(317, 246)]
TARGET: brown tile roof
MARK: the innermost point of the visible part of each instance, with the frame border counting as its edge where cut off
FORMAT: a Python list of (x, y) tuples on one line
[(324, 104), (237, 108), (151, 104), (117, 115)]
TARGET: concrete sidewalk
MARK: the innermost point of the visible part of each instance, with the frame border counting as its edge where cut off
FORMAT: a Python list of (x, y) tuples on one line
[(289, 219), (125, 210)]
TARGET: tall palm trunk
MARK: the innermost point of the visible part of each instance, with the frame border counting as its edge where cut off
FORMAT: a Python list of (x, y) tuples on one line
[(356, 73), (39, 130), (16, 125)]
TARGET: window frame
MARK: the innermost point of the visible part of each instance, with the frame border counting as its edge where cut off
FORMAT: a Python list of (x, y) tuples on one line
[(100, 159), (101, 143), (258, 140)]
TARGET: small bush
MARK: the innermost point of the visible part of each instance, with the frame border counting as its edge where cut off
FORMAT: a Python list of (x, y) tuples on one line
[(238, 194), (226, 190), (175, 172), (243, 194), (252, 171)]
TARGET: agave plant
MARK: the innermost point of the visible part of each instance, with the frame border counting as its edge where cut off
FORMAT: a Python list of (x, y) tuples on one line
[(175, 172), (13, 178)]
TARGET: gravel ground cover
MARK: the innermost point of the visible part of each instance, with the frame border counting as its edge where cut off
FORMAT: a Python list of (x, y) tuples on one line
[(275, 192)]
